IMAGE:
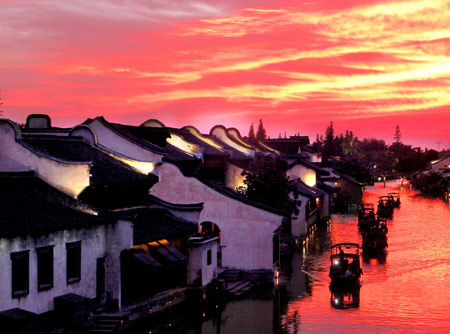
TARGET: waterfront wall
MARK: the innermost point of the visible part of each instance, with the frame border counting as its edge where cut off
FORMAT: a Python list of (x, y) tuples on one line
[(246, 232)]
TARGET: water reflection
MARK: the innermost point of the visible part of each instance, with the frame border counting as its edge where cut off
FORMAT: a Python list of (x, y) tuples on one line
[(345, 297), (405, 289)]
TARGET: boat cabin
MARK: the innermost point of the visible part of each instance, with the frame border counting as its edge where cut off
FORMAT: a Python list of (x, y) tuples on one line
[(385, 206), (375, 236), (366, 214), (395, 198), (345, 266)]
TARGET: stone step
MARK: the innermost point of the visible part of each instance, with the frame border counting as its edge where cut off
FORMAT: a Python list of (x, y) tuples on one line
[(99, 331), (98, 326), (239, 287)]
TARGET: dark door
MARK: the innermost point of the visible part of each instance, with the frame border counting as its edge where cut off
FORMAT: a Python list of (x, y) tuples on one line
[(101, 281)]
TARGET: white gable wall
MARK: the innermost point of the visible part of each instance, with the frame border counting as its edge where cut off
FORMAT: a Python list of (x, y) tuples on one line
[(233, 176), (69, 177), (246, 231), (305, 174), (96, 242), (299, 225), (108, 138), (441, 165)]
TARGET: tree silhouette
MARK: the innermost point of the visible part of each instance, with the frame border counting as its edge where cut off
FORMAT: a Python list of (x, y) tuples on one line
[(397, 135), (261, 133), (251, 134), (266, 182), (1, 111)]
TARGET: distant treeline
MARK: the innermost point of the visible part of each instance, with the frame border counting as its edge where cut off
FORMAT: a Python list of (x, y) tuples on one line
[(394, 160)]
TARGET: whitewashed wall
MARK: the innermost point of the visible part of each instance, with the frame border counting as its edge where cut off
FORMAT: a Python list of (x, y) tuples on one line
[(305, 174), (198, 261), (299, 226), (69, 177), (246, 231), (108, 138), (96, 242), (233, 176)]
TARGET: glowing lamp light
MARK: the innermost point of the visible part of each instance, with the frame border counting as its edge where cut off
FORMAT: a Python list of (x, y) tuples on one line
[(379, 178), (310, 180), (336, 301), (336, 262)]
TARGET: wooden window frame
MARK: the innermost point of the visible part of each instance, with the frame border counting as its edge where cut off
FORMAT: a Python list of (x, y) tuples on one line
[(41, 252), (18, 256), (209, 257), (71, 246)]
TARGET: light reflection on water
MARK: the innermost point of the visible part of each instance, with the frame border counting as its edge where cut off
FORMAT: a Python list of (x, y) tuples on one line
[(406, 290)]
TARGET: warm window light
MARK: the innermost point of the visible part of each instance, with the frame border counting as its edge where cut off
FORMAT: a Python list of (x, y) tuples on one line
[(310, 180)]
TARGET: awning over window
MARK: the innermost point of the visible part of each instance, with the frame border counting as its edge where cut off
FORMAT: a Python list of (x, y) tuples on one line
[(163, 251), (146, 258), (175, 252)]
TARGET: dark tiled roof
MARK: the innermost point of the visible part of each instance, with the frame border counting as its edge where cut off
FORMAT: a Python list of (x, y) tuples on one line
[(228, 192), (234, 153), (28, 205), (284, 145), (105, 169), (325, 187), (206, 148), (150, 140), (156, 224), (306, 190), (309, 165)]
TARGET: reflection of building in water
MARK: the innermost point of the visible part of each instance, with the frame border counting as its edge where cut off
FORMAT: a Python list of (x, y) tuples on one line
[(345, 297)]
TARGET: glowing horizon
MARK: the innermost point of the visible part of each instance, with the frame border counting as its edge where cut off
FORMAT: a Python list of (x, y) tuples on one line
[(365, 65)]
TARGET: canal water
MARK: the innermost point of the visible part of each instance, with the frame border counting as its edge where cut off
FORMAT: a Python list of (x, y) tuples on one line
[(406, 290)]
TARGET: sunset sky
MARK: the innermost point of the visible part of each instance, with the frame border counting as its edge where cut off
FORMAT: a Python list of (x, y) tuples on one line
[(366, 65)]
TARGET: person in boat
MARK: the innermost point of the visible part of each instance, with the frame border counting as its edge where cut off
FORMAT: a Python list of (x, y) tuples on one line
[(341, 252), (348, 272)]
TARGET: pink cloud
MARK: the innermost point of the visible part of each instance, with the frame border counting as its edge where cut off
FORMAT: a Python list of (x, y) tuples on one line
[(367, 65)]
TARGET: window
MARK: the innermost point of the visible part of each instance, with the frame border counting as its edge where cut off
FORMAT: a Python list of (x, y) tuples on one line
[(73, 262), (209, 257), (45, 268), (19, 274)]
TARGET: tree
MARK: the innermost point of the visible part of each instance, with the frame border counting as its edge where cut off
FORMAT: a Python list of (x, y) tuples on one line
[(266, 182), (251, 134), (397, 135), (329, 142), (261, 133)]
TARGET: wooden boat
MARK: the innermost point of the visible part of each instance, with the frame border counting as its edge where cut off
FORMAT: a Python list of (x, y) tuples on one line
[(395, 198), (343, 297), (375, 236), (385, 206), (345, 268), (366, 214)]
